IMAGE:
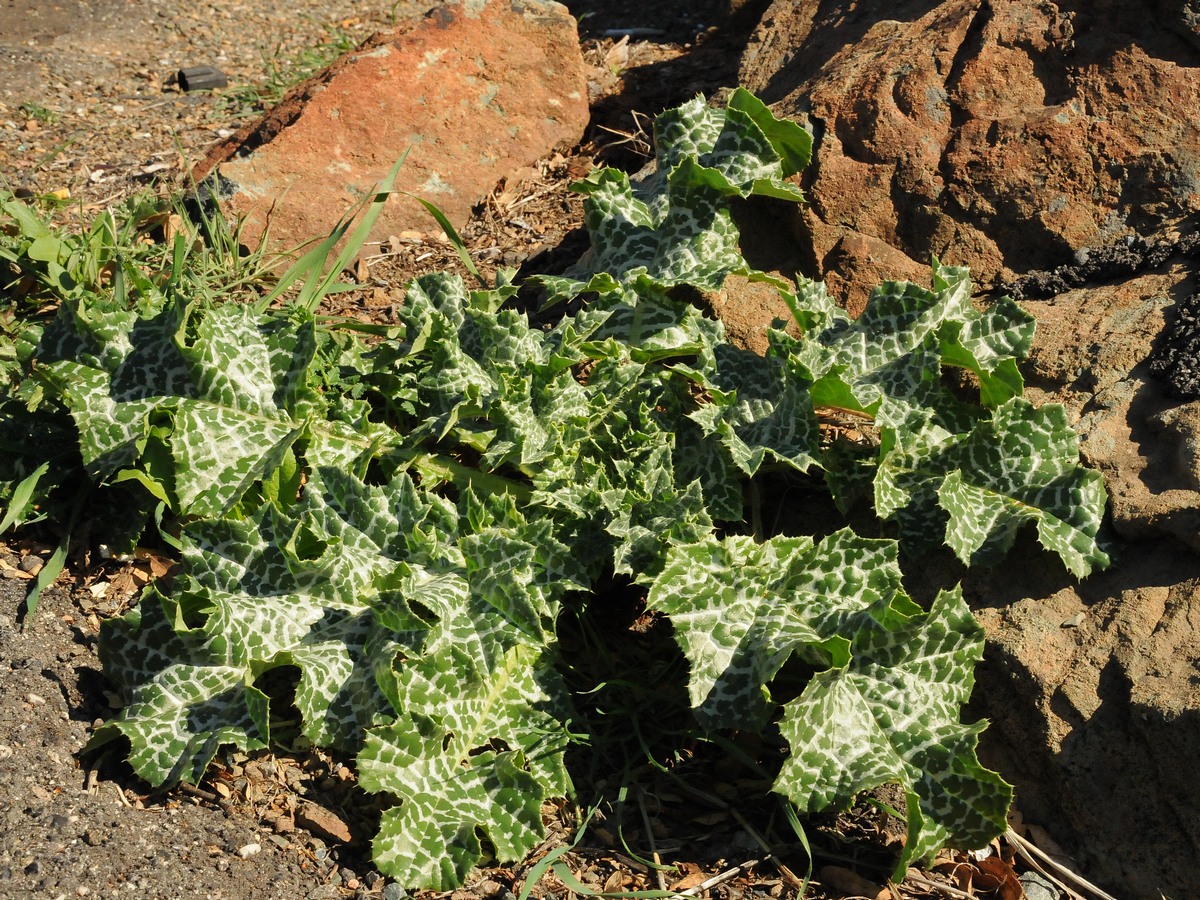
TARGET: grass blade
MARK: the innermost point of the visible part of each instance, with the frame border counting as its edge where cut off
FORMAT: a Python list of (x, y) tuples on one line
[(310, 266), (21, 497), (543, 865), (50, 571), (460, 246)]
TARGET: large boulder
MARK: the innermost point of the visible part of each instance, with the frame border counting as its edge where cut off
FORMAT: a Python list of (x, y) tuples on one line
[(1008, 135), (1056, 140), (1092, 686), (474, 91)]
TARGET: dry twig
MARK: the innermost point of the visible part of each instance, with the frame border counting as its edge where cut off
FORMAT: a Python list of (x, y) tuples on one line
[(1041, 863)]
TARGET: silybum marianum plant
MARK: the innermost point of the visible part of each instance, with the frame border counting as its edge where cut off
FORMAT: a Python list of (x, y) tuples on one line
[(403, 522)]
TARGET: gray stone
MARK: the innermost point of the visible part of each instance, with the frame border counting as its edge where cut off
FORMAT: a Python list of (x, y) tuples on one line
[(1038, 888)]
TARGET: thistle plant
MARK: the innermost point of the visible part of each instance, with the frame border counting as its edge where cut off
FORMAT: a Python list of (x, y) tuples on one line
[(405, 521)]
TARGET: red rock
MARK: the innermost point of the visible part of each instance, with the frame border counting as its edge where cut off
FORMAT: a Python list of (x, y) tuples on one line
[(1005, 136), (858, 262), (322, 822), (1013, 136), (475, 90)]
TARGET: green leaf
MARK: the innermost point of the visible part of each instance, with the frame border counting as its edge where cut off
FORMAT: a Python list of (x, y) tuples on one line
[(789, 140), (227, 393), (399, 628), (974, 491), (456, 241), (20, 500), (758, 410), (741, 609), (674, 227), (47, 575), (472, 757), (891, 715), (889, 360), (46, 248), (885, 708), (381, 523), (1022, 467), (318, 280)]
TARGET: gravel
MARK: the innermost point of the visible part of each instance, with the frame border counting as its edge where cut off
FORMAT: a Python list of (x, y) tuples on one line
[(66, 833), (86, 100)]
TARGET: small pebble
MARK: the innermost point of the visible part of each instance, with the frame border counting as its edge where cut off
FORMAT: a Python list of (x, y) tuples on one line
[(1038, 888), (393, 891), (249, 850), (35, 699)]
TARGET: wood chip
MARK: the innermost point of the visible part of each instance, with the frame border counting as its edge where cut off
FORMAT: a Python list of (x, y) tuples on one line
[(322, 822), (690, 881)]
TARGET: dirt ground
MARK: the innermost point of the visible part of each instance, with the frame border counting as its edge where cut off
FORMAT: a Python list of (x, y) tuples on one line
[(87, 110)]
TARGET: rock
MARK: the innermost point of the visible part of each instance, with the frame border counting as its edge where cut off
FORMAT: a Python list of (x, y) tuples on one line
[(1095, 717), (323, 822), (748, 310), (1091, 686), (1053, 148), (1038, 888), (858, 262), (1005, 135), (475, 90), (1092, 354)]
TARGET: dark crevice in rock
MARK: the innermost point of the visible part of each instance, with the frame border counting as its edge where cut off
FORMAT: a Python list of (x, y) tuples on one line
[(1112, 262), (970, 48)]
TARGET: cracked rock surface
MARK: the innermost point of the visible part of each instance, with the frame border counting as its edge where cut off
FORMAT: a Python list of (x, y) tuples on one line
[(1008, 136)]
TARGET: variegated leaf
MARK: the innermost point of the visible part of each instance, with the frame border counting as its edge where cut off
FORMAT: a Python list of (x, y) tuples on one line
[(889, 360), (339, 586), (674, 226), (1021, 467), (974, 491), (316, 470), (225, 388), (890, 714), (757, 409), (741, 609), (477, 752)]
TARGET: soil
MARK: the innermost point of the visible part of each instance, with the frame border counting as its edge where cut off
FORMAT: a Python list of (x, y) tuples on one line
[(89, 113)]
